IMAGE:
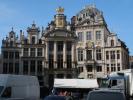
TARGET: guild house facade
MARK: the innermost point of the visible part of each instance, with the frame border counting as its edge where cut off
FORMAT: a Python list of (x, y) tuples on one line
[(82, 48)]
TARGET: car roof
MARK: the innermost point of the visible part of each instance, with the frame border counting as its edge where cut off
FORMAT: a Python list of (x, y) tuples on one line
[(54, 97), (105, 94)]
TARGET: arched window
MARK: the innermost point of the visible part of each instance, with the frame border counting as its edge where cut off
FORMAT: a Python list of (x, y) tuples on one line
[(112, 42)]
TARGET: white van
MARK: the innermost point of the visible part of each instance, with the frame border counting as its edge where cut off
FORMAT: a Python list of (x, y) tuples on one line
[(19, 87), (121, 81)]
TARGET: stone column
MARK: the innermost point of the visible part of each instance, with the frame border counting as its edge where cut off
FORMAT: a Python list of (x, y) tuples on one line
[(36, 50), (55, 54), (73, 55), (47, 54), (64, 55)]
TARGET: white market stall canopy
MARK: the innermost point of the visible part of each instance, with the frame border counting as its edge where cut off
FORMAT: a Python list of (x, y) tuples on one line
[(75, 83)]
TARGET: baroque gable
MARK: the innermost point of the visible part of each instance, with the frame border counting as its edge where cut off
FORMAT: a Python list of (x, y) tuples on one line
[(62, 33)]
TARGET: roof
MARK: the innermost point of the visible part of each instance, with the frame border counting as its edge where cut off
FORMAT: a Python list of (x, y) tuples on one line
[(17, 80), (75, 83)]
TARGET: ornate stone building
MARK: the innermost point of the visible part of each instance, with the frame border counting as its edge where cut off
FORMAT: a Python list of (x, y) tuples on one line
[(99, 51), (60, 46), (84, 48), (48, 54), (10, 54)]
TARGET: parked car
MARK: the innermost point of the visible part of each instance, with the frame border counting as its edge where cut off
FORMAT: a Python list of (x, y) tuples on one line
[(56, 97), (105, 95)]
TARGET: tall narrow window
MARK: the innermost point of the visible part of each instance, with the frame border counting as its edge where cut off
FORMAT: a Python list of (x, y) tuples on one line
[(25, 52), (11, 55), (25, 67), (40, 41), (60, 61), (5, 55), (51, 45), (25, 41), (98, 54), (80, 55), (107, 55), (5, 68), (16, 67), (32, 52), (112, 54), (60, 45), (118, 54), (39, 52), (69, 45), (118, 66), (80, 36), (88, 35), (33, 39), (89, 68), (89, 55), (10, 67), (32, 66), (107, 69), (11, 43), (99, 68), (16, 55), (39, 66), (51, 63), (98, 35), (69, 61)]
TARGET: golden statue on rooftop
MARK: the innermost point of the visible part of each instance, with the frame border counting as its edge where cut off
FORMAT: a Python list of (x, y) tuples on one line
[(60, 10)]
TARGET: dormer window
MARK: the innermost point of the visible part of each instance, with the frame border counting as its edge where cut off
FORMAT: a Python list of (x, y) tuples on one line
[(40, 41), (112, 42), (25, 41), (11, 36), (11, 43), (80, 19), (83, 15), (33, 40)]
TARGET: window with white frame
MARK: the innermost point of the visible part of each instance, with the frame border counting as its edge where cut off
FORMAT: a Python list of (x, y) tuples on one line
[(89, 54), (88, 35), (98, 54), (39, 51), (80, 36), (99, 68), (80, 55), (107, 55), (25, 52), (32, 52), (33, 39), (98, 35), (112, 54), (89, 68), (118, 54)]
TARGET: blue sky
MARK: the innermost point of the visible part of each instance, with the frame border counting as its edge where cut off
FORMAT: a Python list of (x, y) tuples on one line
[(20, 14)]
